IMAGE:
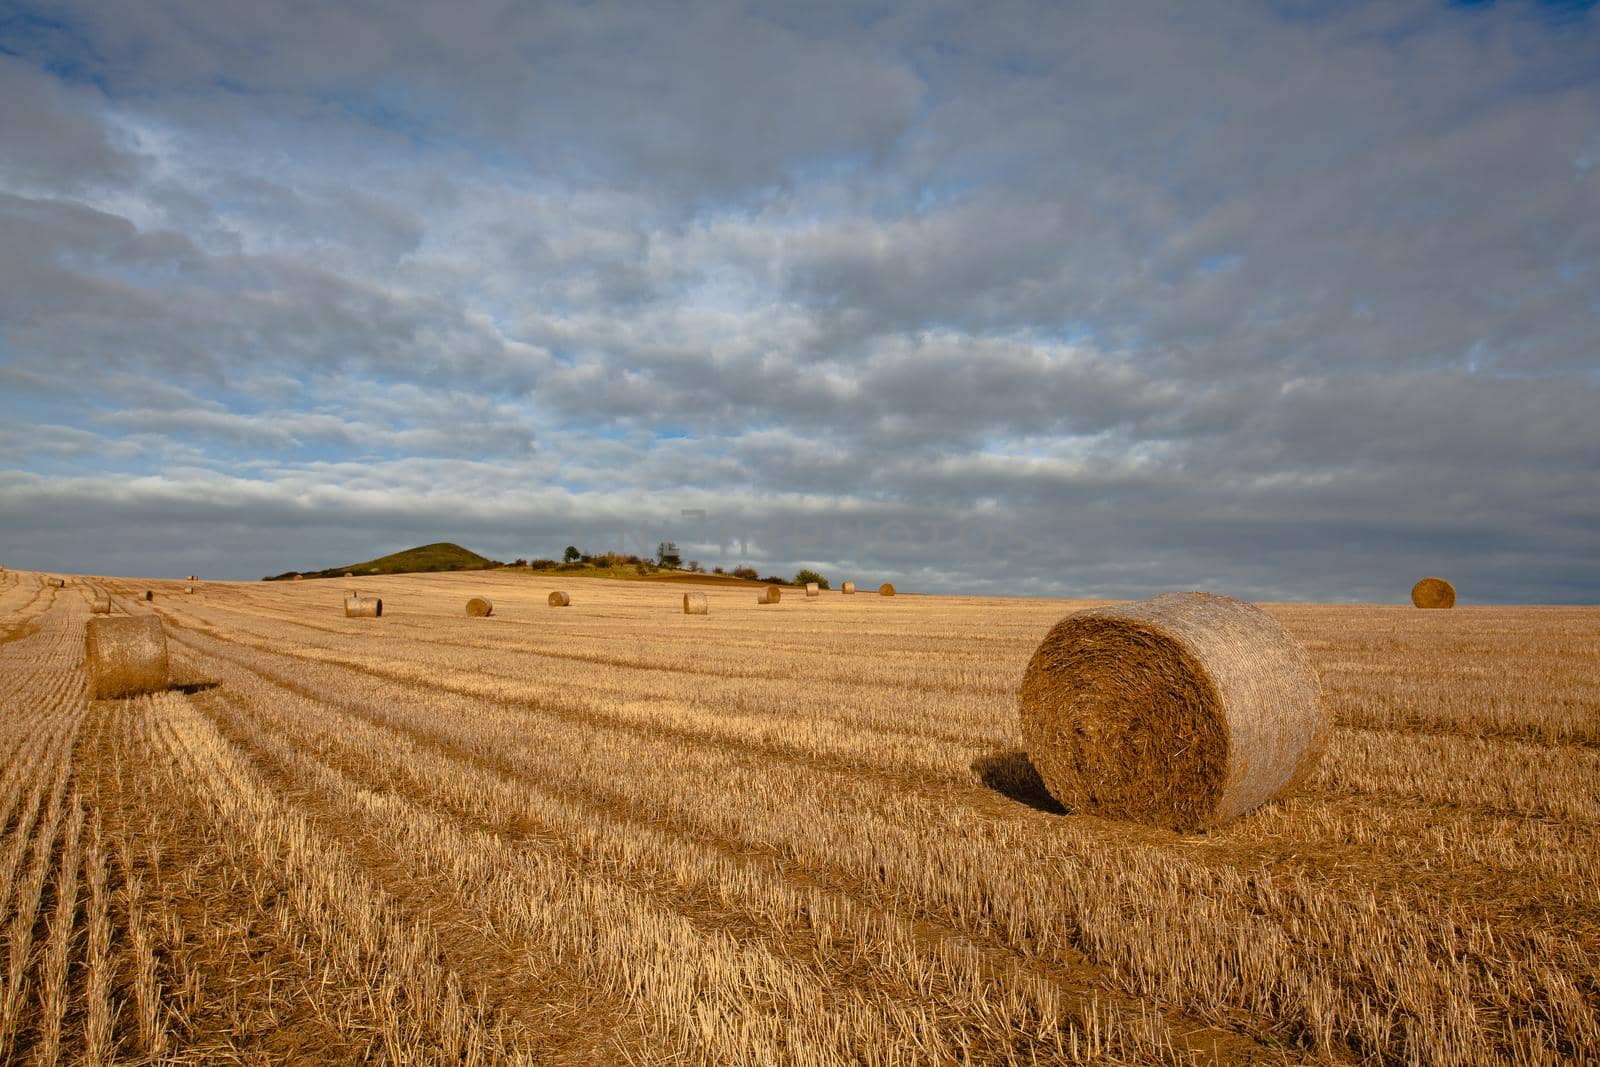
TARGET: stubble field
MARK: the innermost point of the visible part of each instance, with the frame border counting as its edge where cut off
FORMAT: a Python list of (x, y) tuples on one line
[(803, 833)]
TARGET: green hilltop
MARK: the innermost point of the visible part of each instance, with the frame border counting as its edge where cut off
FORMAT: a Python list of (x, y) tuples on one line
[(442, 556)]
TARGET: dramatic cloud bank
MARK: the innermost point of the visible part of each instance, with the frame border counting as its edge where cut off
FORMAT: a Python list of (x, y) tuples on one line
[(1285, 299)]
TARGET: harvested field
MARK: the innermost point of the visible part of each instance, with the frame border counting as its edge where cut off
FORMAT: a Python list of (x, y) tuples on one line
[(617, 834)]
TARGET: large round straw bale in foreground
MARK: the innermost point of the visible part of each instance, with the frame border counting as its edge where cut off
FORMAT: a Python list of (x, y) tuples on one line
[(559, 599), (772, 594), (125, 655), (886, 589), (1184, 710), (101, 605), (363, 607), (848, 587), (695, 604), (480, 607), (1433, 593)]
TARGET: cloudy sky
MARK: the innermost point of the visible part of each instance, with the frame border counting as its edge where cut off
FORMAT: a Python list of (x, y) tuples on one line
[(1291, 300)]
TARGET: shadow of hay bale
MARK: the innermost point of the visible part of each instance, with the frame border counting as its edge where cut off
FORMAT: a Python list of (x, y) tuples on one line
[(1012, 774)]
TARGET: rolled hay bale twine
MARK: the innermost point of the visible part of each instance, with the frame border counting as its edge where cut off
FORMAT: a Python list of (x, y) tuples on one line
[(125, 655), (848, 587), (559, 599), (1184, 710), (363, 607), (772, 594), (480, 607), (101, 606), (695, 604), (812, 590), (1433, 593), (886, 589)]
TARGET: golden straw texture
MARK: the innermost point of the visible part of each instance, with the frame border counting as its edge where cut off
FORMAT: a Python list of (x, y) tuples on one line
[(1184, 710), (1433, 593), (559, 599), (480, 607), (695, 604), (125, 655)]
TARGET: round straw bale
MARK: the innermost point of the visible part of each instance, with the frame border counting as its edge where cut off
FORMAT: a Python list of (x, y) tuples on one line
[(559, 599), (298, 578), (59, 583), (848, 587), (812, 590), (363, 607), (695, 604), (886, 589), (771, 595), (125, 655), (1184, 710), (188, 589), (347, 574), (149, 595), (1433, 593), (480, 607), (101, 605)]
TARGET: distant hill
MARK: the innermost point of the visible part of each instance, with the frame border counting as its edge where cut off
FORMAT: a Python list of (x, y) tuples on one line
[(443, 556)]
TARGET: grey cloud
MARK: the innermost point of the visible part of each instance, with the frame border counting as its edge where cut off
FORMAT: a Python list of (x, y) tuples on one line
[(54, 141), (1197, 295)]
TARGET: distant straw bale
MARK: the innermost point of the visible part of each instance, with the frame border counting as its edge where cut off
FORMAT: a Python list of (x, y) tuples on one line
[(770, 595), (812, 590), (848, 587), (149, 594), (188, 589), (363, 607), (125, 655), (1184, 710), (59, 583), (101, 605), (886, 589), (695, 604), (559, 599), (298, 578), (480, 607), (1433, 593), (348, 574)]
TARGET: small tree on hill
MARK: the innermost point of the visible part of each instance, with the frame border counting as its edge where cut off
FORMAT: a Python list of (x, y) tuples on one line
[(811, 576), (572, 554), (667, 555)]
